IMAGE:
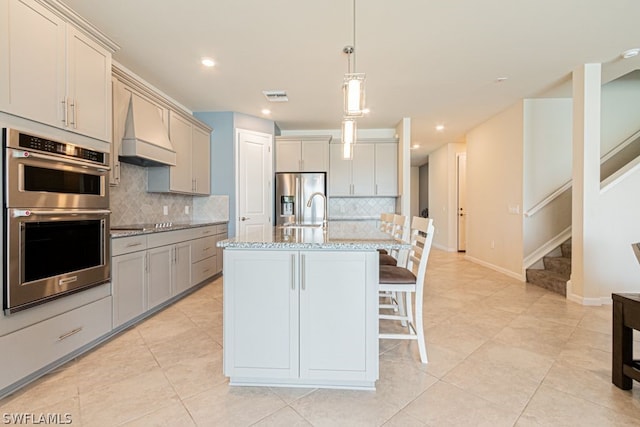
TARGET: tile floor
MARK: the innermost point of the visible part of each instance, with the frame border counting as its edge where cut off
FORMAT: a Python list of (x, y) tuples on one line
[(501, 353)]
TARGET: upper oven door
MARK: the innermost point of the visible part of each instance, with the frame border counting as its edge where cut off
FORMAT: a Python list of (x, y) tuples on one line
[(49, 181)]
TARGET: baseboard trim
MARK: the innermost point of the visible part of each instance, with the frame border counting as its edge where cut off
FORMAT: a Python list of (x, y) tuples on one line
[(571, 296), (443, 248), (504, 271)]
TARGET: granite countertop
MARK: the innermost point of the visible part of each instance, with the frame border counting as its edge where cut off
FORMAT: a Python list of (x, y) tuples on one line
[(340, 235), (137, 229)]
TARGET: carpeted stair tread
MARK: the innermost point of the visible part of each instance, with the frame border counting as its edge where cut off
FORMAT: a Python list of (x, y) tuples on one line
[(560, 265), (550, 280)]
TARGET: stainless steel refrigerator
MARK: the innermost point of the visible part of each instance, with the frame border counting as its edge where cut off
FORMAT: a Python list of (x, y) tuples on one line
[(293, 192)]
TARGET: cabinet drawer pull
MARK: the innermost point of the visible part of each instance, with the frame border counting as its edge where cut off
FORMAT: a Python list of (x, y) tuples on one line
[(68, 334), (131, 245), (208, 248)]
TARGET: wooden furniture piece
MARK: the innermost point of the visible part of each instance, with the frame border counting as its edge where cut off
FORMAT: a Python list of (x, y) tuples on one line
[(407, 282), (626, 318)]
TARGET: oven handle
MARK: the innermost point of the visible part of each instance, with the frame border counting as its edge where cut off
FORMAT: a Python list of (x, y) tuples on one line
[(27, 212), (29, 154)]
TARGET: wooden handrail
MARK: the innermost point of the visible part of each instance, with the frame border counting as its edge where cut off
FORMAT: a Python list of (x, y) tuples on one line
[(567, 185)]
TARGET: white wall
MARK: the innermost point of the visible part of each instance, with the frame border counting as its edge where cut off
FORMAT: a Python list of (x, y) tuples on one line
[(547, 167), (620, 110), (494, 185), (415, 191), (403, 132), (547, 147), (443, 203)]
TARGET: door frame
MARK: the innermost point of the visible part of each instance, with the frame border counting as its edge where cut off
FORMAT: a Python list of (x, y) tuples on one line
[(236, 156), (461, 247)]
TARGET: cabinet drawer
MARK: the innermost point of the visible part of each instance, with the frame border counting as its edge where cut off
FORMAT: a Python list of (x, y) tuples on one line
[(222, 229), (198, 232), (165, 238), (203, 248), (202, 270), (36, 346), (125, 245)]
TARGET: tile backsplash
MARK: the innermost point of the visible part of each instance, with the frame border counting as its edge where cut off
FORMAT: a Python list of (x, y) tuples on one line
[(360, 207), (132, 204)]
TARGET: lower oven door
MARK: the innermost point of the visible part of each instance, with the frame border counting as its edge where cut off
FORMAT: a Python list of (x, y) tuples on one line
[(51, 253)]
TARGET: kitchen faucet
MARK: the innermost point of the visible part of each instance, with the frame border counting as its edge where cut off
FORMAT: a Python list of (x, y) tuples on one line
[(325, 221)]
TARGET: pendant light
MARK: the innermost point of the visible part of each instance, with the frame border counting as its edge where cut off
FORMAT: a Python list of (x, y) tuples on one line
[(353, 93)]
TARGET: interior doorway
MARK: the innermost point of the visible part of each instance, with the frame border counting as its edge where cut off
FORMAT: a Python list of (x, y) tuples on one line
[(254, 192), (461, 169)]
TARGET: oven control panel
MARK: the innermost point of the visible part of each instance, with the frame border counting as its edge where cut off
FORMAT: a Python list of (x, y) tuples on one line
[(69, 150)]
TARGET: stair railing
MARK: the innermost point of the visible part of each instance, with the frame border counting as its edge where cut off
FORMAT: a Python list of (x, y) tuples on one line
[(567, 185)]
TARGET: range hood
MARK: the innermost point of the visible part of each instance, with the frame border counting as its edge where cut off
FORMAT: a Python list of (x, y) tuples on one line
[(145, 141)]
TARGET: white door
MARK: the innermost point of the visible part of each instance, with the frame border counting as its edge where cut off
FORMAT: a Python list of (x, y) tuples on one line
[(254, 192), (462, 197)]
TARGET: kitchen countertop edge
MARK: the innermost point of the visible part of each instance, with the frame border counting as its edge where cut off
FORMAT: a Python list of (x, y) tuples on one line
[(129, 233)]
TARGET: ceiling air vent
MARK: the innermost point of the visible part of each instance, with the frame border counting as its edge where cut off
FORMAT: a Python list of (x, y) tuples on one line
[(275, 95)]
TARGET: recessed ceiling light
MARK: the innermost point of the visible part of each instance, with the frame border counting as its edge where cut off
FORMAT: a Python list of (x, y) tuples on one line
[(266, 111), (501, 79), (208, 62), (630, 53), (414, 146), (440, 128)]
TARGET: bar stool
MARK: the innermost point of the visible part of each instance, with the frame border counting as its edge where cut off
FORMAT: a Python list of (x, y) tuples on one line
[(403, 283)]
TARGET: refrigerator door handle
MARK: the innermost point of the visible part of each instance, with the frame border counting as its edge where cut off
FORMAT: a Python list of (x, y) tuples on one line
[(298, 201)]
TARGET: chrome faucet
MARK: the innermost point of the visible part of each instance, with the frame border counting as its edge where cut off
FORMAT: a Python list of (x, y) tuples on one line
[(325, 221)]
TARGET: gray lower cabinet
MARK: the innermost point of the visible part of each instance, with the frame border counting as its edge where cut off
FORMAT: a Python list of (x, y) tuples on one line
[(29, 350), (148, 270), (205, 255)]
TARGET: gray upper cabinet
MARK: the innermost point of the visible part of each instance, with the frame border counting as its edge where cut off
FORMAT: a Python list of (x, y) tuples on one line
[(302, 154), (189, 138), (191, 174), (373, 171), (51, 72)]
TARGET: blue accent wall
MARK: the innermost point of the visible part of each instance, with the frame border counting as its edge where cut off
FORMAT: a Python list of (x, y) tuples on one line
[(223, 163)]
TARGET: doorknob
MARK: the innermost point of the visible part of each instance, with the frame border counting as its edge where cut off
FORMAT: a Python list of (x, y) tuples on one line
[(244, 218)]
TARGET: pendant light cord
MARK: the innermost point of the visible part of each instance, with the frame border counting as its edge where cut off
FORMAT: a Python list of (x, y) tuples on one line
[(354, 36)]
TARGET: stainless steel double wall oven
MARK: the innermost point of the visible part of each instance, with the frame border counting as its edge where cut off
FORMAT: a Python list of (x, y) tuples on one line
[(56, 219)]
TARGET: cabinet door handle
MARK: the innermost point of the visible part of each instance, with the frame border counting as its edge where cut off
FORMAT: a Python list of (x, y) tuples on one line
[(302, 272), (293, 272), (70, 333), (72, 105), (64, 112), (376, 189), (146, 262)]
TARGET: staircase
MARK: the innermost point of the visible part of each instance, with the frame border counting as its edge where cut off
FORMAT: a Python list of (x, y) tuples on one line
[(556, 271)]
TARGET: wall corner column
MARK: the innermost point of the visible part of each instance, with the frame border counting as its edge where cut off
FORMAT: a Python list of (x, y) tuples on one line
[(586, 173)]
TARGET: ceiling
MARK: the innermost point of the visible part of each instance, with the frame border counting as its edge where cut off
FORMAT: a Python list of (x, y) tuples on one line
[(437, 62)]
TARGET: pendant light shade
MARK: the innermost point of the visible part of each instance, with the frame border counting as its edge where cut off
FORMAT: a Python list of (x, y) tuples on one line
[(348, 137), (353, 91)]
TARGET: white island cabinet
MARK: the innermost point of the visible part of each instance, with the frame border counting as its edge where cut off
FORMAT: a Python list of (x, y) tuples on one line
[(301, 307)]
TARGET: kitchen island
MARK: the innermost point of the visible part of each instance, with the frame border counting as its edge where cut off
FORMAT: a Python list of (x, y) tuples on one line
[(301, 306)]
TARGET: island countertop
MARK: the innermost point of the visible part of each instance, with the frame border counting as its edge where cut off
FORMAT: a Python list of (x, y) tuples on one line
[(339, 235)]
